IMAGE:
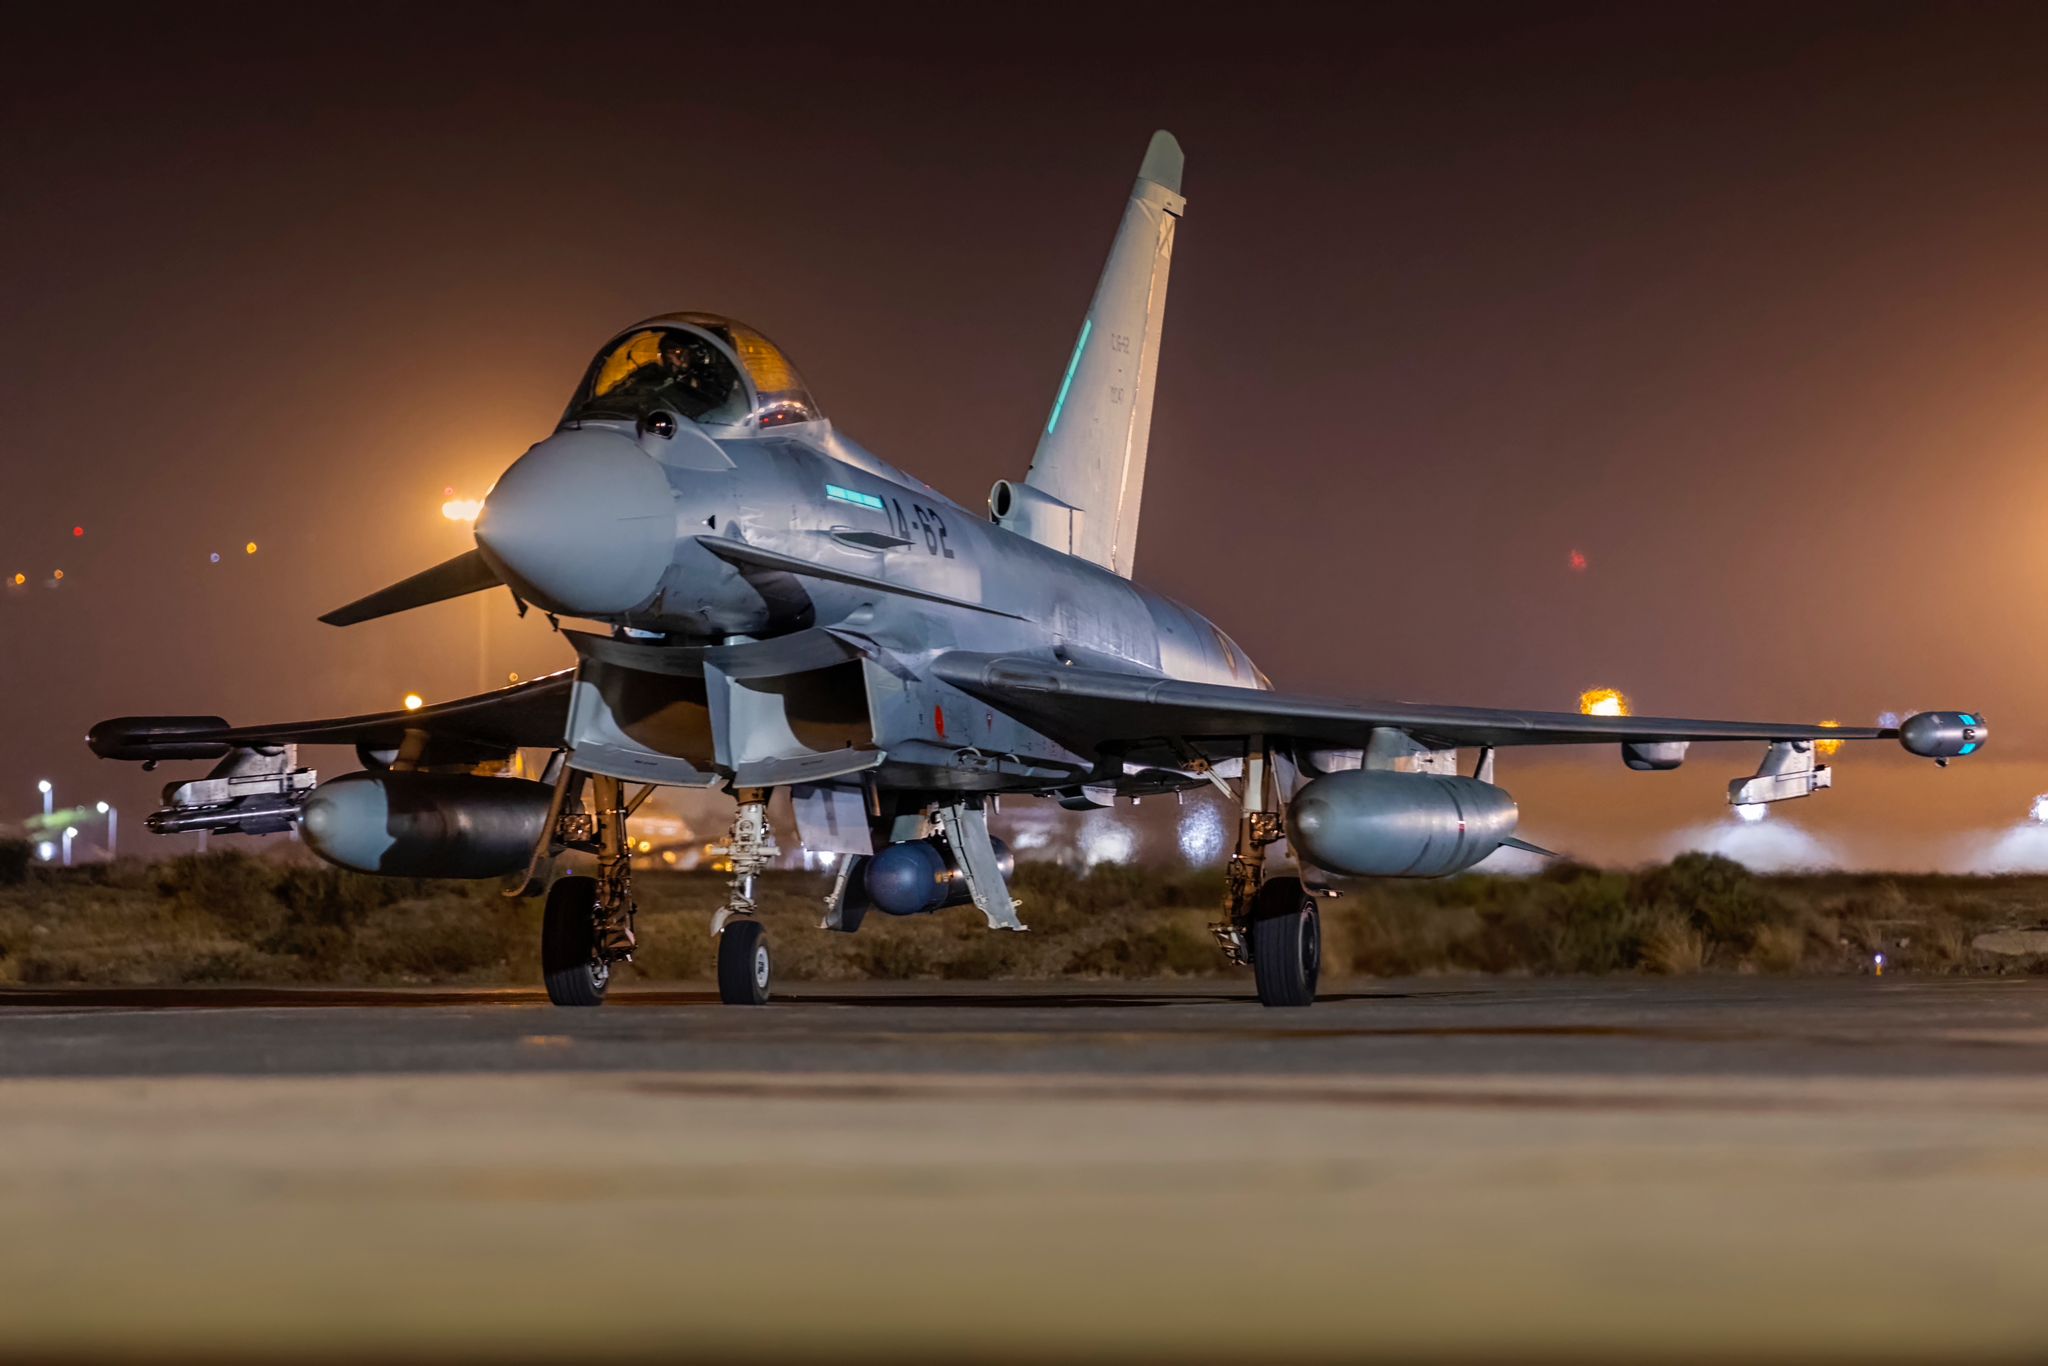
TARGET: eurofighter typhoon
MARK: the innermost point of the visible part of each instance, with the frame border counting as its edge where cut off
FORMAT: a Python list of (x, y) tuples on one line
[(780, 608)]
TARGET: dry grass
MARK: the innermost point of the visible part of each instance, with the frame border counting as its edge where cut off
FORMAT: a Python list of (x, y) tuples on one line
[(230, 917)]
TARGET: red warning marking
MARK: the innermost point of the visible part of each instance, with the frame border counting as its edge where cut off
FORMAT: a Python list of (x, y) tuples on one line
[(939, 719)]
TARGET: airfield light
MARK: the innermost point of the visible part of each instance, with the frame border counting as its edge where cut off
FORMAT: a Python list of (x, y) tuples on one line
[(462, 509), (512, 678), (1752, 812), (43, 786), (1603, 702), (20, 579), (413, 701), (1827, 747), (214, 558), (646, 846), (57, 576), (249, 549), (100, 807), (46, 851), (77, 531), (70, 834)]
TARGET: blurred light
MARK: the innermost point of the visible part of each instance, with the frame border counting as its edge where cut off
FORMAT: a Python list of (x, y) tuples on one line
[(1751, 813), (413, 701), (646, 846), (46, 851), (1603, 702), (511, 678), (668, 856), (2037, 810), (1579, 561), (214, 558), (1201, 832), (20, 579), (1104, 841), (462, 509), (78, 531), (1888, 720), (826, 858), (1827, 747), (249, 549), (43, 786), (57, 576), (70, 832), (100, 807)]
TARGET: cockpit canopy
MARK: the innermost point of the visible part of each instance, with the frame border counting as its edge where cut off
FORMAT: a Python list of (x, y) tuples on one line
[(703, 368)]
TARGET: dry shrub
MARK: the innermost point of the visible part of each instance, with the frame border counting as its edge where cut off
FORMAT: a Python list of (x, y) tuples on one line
[(1674, 948), (1778, 948)]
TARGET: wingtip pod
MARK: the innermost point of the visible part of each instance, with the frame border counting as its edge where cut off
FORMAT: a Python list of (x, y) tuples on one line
[(1164, 161), (1944, 735)]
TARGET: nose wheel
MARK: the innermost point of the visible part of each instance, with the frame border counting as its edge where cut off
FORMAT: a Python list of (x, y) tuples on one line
[(744, 967)]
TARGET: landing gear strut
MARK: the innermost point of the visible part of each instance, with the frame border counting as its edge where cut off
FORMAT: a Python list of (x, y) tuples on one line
[(744, 967), (1272, 924), (587, 927)]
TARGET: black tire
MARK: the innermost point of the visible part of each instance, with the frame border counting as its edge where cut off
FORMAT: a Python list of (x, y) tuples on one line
[(1286, 941), (569, 964), (745, 971)]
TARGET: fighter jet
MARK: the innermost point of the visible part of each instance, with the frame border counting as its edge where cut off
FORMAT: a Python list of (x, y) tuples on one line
[(771, 606)]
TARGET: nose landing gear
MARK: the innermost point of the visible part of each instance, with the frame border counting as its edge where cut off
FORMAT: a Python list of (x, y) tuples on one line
[(744, 967)]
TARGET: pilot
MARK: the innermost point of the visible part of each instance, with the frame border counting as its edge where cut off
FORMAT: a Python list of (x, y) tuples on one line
[(694, 377)]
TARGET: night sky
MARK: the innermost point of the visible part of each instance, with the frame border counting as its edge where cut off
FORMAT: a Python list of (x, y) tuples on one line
[(1744, 304)]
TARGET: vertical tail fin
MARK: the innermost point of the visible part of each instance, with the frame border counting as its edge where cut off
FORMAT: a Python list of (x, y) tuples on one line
[(1092, 453)]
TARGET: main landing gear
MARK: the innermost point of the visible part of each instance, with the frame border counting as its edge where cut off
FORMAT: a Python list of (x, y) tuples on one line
[(1273, 924), (587, 927)]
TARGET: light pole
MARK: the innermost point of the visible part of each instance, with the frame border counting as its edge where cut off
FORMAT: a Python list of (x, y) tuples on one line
[(43, 786), (70, 834), (113, 821)]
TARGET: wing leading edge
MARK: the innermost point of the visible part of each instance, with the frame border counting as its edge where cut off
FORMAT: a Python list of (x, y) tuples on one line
[(533, 713), (1093, 708)]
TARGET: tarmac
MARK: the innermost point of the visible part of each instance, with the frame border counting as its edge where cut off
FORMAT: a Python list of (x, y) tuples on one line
[(1445, 1169)]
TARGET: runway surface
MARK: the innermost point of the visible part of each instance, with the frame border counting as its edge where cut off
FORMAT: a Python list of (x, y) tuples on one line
[(1451, 1169)]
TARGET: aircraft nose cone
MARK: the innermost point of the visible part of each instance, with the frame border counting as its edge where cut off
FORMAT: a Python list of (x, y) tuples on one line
[(583, 523)]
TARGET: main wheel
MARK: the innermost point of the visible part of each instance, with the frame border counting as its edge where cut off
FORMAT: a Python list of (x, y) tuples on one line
[(569, 964), (1286, 941), (744, 968)]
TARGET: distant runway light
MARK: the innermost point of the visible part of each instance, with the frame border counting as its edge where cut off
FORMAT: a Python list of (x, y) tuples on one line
[(249, 549), (214, 558), (1603, 702), (1578, 561), (77, 531), (57, 576), (462, 509), (413, 701)]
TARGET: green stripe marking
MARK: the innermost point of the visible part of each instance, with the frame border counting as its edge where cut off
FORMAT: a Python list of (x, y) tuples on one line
[(859, 500), (1087, 324)]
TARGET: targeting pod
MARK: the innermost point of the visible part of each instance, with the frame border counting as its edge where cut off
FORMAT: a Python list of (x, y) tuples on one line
[(425, 824), (1943, 734)]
